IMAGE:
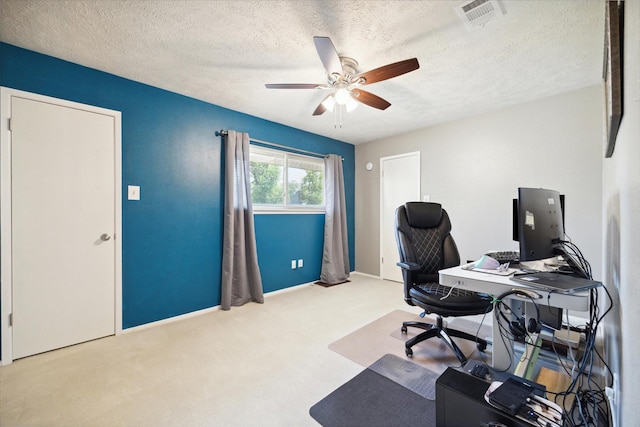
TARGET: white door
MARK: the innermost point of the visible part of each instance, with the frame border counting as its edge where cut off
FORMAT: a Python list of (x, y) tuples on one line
[(63, 221), (400, 183)]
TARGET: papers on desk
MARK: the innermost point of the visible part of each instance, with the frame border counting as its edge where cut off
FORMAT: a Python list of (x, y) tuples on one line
[(498, 272)]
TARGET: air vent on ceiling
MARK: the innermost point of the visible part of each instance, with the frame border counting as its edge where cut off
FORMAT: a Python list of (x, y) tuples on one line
[(478, 12)]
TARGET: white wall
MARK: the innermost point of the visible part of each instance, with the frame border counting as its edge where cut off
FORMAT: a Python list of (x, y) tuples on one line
[(621, 209), (474, 167)]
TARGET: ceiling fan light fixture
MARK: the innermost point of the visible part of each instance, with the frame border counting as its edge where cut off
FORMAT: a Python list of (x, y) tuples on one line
[(329, 102), (342, 96), (351, 104)]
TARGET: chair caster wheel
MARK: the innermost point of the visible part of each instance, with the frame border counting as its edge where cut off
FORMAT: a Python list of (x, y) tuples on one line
[(403, 329), (408, 352)]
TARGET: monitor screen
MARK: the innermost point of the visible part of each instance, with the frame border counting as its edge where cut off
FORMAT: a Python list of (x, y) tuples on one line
[(539, 223)]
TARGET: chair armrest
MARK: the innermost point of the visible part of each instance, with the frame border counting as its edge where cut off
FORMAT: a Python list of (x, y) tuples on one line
[(411, 266)]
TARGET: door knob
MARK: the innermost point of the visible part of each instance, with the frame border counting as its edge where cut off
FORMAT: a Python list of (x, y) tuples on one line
[(105, 237)]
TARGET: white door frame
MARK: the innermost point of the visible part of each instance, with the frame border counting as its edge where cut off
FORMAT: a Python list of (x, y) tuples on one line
[(382, 160), (6, 280)]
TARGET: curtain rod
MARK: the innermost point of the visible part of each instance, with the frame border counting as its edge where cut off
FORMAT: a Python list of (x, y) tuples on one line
[(273, 144)]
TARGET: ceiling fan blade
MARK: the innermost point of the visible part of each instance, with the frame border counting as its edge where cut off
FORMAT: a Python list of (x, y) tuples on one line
[(389, 71), (321, 107), (328, 55), (320, 110), (291, 86), (370, 99)]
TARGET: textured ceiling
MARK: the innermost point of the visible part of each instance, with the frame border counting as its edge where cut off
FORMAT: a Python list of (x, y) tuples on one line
[(223, 52)]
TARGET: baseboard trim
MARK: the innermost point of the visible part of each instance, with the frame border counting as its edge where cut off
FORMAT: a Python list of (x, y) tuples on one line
[(366, 275), (171, 319), (285, 290), (203, 311)]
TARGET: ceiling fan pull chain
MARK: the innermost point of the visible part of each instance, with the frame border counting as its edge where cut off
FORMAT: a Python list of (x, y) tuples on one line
[(337, 116)]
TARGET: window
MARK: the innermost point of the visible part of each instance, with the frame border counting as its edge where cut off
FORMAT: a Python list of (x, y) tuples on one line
[(286, 181)]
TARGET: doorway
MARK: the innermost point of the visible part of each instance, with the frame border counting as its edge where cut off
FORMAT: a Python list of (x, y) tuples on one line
[(399, 183), (60, 219)]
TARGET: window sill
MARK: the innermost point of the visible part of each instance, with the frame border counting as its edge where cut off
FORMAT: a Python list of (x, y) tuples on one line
[(288, 210)]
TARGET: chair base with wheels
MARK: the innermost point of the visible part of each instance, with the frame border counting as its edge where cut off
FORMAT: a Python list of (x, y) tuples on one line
[(440, 331)]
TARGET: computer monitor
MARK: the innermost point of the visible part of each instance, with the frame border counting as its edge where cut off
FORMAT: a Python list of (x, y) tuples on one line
[(516, 227), (539, 223)]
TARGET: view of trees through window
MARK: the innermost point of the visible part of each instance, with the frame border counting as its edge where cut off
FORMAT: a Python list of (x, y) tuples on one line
[(275, 174), (267, 185)]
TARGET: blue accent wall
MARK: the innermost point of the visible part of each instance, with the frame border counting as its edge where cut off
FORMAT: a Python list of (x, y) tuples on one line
[(172, 237), (282, 240)]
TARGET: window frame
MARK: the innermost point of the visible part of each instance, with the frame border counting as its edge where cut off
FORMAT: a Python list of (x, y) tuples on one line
[(286, 207)]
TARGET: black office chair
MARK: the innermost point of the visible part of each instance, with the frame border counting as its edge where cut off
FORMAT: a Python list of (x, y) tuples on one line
[(426, 247)]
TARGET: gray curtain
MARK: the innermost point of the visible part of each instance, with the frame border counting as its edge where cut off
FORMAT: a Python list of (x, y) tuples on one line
[(335, 255), (241, 281)]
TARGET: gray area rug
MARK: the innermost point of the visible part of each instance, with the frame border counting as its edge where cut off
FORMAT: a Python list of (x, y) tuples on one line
[(373, 400)]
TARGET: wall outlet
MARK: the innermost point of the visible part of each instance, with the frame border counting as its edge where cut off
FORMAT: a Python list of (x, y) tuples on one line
[(293, 264), (613, 394), (300, 263), (133, 192)]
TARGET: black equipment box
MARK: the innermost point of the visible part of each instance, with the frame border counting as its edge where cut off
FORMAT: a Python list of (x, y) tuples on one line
[(460, 403)]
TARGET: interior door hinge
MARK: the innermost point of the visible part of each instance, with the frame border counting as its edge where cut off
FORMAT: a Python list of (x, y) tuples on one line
[(382, 260), (10, 319), (9, 124)]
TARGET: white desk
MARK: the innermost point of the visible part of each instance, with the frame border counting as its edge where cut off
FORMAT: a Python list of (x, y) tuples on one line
[(497, 285)]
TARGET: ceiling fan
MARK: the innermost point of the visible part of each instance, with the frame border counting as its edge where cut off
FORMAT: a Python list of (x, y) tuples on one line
[(344, 81)]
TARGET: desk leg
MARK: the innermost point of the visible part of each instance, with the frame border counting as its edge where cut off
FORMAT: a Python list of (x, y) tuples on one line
[(501, 351)]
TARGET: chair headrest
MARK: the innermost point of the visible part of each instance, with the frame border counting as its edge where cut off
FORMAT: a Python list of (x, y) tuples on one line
[(423, 214)]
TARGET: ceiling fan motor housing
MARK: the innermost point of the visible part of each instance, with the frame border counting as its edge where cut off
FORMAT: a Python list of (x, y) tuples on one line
[(349, 66)]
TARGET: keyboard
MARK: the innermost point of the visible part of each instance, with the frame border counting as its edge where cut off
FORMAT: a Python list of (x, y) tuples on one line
[(505, 256)]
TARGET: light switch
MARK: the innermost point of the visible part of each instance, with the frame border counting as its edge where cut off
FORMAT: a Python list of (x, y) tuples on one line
[(133, 192), (300, 263)]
